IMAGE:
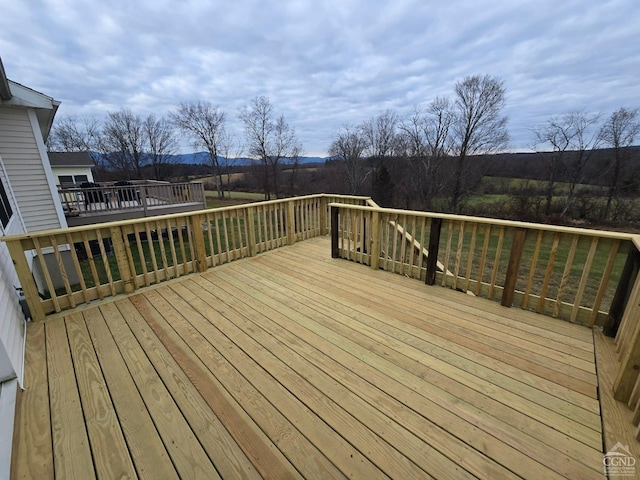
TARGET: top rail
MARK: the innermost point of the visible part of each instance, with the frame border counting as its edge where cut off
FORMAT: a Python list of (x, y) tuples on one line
[(566, 272), (63, 268)]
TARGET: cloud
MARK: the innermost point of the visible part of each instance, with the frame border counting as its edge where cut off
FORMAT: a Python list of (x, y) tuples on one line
[(324, 64)]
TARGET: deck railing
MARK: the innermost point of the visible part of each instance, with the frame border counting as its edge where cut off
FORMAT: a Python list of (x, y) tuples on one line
[(81, 264), (135, 196), (585, 276)]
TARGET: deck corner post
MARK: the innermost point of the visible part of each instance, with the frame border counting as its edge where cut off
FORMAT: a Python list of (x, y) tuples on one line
[(251, 224), (622, 293), (375, 240), (517, 246), (198, 238), (27, 282), (323, 215), (120, 251), (434, 245), (291, 222), (202, 195), (334, 231)]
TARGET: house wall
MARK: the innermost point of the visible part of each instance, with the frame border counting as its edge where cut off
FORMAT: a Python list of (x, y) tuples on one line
[(21, 152), (11, 318)]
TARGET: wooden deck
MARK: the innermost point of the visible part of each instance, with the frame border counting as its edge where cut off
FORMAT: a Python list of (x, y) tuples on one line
[(295, 365)]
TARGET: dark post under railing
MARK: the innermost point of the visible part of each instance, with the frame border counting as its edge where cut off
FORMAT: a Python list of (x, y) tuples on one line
[(432, 258), (519, 236)]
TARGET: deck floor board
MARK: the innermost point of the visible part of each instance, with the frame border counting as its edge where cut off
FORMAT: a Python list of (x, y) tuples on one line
[(295, 365)]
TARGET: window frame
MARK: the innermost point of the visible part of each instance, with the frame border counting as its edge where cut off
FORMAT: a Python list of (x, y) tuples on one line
[(6, 209)]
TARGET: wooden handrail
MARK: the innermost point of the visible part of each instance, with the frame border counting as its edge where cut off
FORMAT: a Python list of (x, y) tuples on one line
[(96, 261), (566, 272), (569, 272)]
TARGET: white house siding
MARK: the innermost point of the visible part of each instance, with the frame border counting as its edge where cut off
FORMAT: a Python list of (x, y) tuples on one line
[(23, 164), (11, 321), (11, 318)]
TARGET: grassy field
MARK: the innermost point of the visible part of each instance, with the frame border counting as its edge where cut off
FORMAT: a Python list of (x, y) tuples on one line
[(505, 185), (236, 198)]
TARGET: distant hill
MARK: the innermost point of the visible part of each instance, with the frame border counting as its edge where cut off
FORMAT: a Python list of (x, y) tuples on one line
[(199, 158), (536, 165)]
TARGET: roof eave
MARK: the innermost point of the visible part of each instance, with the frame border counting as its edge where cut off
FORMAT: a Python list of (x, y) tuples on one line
[(45, 106), (5, 90)]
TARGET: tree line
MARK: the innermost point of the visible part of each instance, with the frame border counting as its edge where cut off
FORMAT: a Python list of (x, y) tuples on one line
[(425, 160), (130, 146)]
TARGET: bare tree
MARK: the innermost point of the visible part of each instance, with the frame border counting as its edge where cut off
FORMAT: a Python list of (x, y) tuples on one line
[(412, 137), (271, 142), (206, 125), (380, 133), (437, 131), (258, 129), (382, 142), (286, 148), (123, 142), (572, 137), (348, 146), (618, 132), (161, 145), (74, 134), (77, 134), (551, 135), (478, 126), (230, 151), (586, 140), (428, 143)]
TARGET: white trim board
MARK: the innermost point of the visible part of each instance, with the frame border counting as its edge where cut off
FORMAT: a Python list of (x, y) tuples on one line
[(8, 392)]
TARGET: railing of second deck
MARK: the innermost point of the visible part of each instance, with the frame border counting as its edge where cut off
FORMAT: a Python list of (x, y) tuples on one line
[(143, 196), (82, 264)]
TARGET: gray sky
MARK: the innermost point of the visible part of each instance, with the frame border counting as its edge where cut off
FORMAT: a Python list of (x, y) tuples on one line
[(324, 63)]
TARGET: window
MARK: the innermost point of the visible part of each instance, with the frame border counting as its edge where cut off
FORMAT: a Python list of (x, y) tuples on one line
[(5, 207), (72, 179), (65, 179)]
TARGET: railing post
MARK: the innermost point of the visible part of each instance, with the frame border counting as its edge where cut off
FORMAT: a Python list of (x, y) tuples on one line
[(122, 260), (143, 199), (251, 224), (623, 290), (291, 222), (27, 281), (323, 215), (334, 232), (375, 240), (203, 197), (519, 236), (198, 239), (434, 245)]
